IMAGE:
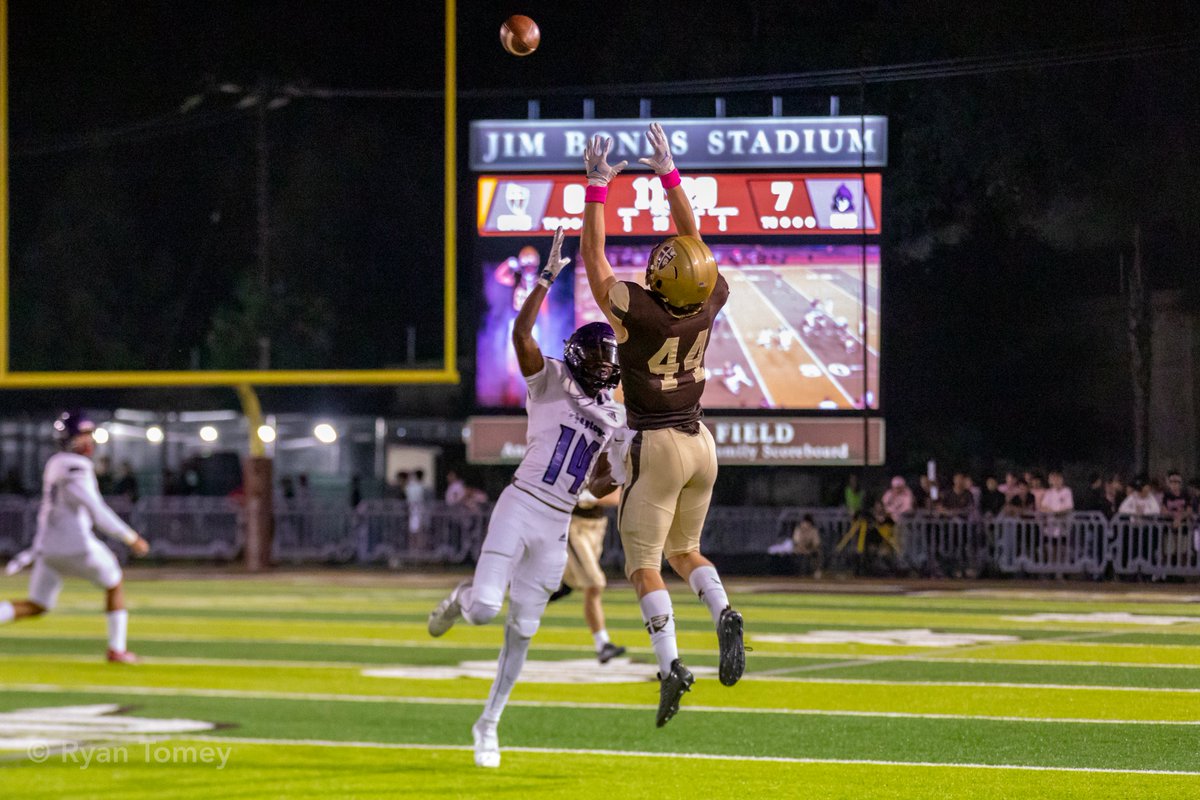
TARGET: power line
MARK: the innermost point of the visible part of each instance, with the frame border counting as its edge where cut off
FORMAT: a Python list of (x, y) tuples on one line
[(946, 68), (1104, 52)]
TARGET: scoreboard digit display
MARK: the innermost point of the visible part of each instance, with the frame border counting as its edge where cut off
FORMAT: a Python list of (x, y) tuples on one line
[(738, 204), (799, 248)]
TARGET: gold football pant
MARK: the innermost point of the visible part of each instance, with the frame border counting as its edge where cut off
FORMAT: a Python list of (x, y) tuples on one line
[(670, 477)]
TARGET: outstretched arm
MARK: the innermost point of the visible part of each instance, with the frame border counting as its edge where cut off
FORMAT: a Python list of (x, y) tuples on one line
[(529, 355), (86, 493), (591, 246), (663, 164)]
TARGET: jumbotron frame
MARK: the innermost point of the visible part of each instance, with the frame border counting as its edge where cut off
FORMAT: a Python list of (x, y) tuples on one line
[(318, 377)]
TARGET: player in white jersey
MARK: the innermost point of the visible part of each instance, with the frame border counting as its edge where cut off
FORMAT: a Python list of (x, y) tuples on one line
[(571, 420), (65, 545)]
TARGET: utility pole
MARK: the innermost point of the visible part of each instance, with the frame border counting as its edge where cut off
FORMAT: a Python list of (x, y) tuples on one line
[(264, 96), (262, 202)]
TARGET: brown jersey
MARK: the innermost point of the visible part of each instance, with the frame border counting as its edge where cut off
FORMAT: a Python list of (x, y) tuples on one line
[(662, 356)]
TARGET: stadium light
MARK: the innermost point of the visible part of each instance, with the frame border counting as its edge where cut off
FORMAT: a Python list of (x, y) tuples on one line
[(100, 435), (325, 433), (208, 433), (154, 434), (266, 433)]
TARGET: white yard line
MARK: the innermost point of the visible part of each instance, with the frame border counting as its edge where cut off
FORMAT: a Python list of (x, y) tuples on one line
[(696, 756), (816, 359), (780, 675), (456, 701), (737, 337)]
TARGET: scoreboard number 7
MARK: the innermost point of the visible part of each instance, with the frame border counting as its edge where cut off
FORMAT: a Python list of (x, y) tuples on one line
[(666, 362), (783, 194)]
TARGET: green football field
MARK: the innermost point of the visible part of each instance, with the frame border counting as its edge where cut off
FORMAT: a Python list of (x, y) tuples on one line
[(326, 685)]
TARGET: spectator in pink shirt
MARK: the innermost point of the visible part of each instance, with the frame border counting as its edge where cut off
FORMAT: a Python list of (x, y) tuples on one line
[(898, 500), (1057, 498)]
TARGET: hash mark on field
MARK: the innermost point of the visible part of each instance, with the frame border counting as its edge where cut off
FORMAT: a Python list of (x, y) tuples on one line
[(697, 756), (459, 701)]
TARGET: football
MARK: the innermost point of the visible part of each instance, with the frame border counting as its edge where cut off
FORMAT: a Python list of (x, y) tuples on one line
[(520, 35)]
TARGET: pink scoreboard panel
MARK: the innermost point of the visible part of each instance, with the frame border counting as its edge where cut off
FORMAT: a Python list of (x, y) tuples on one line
[(745, 204)]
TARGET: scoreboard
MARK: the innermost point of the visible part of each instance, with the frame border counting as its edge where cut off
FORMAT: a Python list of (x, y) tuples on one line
[(753, 204), (795, 231)]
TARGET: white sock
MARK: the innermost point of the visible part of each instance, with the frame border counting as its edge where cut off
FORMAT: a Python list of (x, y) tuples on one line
[(512, 659), (706, 583), (118, 622), (660, 624), (7, 612), (600, 637)]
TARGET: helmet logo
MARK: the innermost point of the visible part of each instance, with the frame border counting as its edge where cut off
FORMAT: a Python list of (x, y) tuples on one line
[(664, 256)]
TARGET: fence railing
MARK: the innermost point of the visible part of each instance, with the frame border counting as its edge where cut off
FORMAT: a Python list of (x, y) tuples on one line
[(393, 532)]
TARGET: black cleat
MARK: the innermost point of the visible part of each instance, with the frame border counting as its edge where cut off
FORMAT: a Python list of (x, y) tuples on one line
[(733, 650), (670, 691), (559, 593), (609, 652)]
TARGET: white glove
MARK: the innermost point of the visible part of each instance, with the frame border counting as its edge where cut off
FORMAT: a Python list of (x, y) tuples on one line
[(618, 449), (554, 262), (661, 162), (595, 161)]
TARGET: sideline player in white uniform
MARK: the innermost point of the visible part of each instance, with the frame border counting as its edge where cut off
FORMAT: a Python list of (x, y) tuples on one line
[(65, 545), (571, 420)]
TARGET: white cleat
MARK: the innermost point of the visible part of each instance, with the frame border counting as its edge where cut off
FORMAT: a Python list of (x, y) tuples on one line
[(487, 744), (442, 618)]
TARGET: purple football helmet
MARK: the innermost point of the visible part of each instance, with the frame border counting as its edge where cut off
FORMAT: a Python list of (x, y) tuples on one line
[(591, 356), (71, 424)]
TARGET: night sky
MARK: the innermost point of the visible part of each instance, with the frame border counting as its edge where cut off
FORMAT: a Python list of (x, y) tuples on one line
[(1008, 196)]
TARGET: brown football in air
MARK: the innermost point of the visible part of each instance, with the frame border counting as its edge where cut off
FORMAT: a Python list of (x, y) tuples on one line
[(520, 35)]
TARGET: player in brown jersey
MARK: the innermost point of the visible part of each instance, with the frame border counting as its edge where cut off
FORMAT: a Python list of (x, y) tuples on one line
[(662, 331)]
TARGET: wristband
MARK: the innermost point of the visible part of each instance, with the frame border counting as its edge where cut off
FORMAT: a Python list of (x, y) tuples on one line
[(670, 180), (595, 194)]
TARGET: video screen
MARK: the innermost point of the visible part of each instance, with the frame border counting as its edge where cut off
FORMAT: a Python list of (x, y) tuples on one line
[(792, 336), (508, 278)]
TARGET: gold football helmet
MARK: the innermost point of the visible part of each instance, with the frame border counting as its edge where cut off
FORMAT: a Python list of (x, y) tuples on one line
[(682, 271)]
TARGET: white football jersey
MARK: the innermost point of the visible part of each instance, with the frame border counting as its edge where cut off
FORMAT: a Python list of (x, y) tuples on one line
[(72, 506), (566, 432)]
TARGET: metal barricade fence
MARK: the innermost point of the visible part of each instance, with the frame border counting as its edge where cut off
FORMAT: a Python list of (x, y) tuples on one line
[(18, 523), (310, 531), (385, 531), (1157, 547), (188, 527), (945, 546), (1052, 544)]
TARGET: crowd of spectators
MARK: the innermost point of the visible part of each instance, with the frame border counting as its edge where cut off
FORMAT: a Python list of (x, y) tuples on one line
[(1029, 493)]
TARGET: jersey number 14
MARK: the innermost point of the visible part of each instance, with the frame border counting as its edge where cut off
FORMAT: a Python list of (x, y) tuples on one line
[(666, 362), (580, 462)]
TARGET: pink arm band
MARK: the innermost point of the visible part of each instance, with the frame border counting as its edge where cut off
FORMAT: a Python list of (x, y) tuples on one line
[(595, 194), (670, 180)]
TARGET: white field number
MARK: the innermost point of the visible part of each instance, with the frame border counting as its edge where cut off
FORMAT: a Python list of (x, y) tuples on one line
[(666, 362)]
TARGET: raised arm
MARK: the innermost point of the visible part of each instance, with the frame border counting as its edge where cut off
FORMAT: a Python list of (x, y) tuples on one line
[(663, 164), (529, 355), (591, 244)]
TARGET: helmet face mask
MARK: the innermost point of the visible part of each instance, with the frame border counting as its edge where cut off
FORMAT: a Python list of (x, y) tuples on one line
[(682, 272), (591, 357)]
